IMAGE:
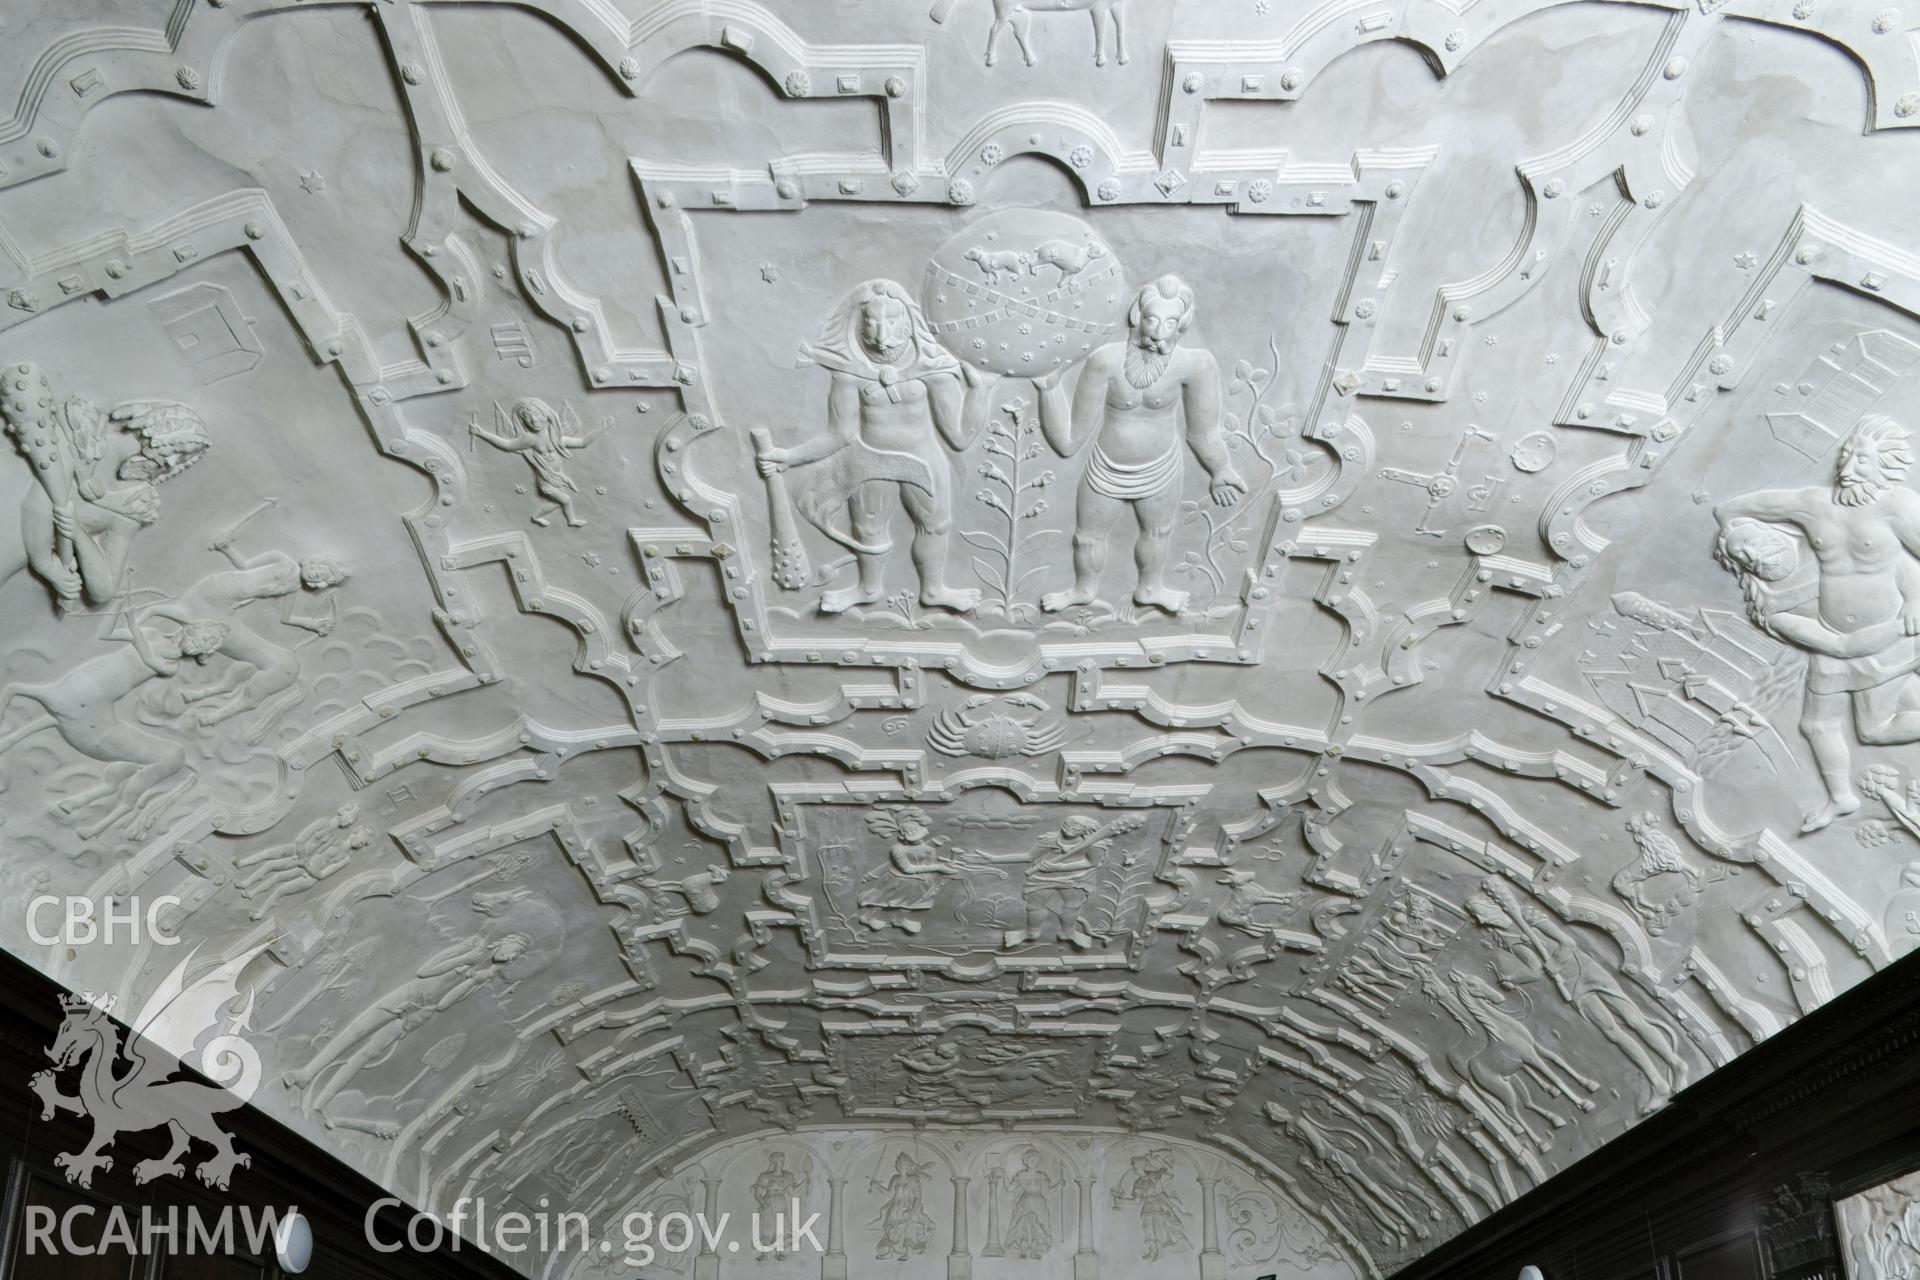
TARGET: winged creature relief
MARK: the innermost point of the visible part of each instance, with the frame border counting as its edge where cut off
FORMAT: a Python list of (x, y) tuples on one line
[(908, 881), (546, 439), (74, 530)]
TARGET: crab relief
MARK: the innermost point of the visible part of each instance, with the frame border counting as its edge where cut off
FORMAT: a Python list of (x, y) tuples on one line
[(1015, 728)]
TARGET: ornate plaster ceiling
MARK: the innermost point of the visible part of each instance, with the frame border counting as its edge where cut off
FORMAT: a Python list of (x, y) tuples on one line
[(588, 544)]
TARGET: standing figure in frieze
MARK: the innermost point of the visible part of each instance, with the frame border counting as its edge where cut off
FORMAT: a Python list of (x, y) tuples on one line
[(777, 1192), (1148, 1183), (896, 396), (1128, 404), (909, 880), (1030, 1228), (903, 1222), (1059, 879), (1859, 617)]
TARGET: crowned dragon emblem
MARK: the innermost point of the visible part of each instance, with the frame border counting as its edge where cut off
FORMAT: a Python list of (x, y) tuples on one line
[(146, 1096)]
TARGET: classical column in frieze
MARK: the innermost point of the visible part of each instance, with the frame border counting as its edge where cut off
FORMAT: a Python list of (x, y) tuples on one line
[(996, 1179), (833, 1263), (1086, 1261), (960, 1257), (706, 1263), (1213, 1263)]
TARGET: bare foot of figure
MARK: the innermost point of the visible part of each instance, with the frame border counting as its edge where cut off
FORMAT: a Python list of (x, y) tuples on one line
[(846, 597), (1838, 807), (1055, 601), (1161, 598), (957, 599)]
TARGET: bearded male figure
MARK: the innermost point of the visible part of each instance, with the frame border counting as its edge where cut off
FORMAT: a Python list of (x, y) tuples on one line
[(1863, 630), (1128, 403), (896, 396), (1060, 878)]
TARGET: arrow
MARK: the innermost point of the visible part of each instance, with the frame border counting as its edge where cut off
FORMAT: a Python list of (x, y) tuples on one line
[(263, 505)]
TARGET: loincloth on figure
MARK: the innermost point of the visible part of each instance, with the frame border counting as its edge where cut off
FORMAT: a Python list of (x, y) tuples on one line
[(1131, 482), (1827, 674)]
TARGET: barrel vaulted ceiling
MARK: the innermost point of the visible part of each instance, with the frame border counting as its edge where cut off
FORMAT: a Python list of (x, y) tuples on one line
[(1318, 597)]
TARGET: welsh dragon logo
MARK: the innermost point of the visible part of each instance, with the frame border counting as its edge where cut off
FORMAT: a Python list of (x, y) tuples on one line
[(146, 1096)]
